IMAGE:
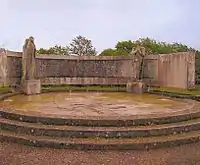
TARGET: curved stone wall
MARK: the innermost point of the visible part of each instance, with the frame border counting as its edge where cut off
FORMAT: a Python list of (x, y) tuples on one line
[(168, 70)]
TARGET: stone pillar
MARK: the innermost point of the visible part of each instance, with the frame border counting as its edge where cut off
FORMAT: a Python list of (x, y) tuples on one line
[(3, 67), (137, 87), (30, 85), (191, 70)]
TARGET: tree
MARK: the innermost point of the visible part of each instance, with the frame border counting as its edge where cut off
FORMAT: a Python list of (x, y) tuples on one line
[(43, 51), (60, 50), (151, 46), (82, 46), (108, 52), (56, 50), (124, 47)]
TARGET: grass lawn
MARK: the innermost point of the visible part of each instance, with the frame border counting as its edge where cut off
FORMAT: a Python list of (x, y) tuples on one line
[(180, 91), (5, 89), (107, 89)]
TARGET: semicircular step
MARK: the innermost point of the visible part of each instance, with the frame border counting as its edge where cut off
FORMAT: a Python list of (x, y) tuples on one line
[(102, 143), (37, 129), (132, 121)]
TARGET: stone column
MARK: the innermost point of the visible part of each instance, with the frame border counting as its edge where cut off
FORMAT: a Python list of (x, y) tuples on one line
[(3, 67), (30, 85)]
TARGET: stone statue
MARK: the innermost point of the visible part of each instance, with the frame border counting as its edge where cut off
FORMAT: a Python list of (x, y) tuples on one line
[(139, 52), (28, 60)]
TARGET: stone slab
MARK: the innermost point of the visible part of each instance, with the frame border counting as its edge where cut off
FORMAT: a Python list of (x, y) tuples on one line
[(136, 87), (32, 87)]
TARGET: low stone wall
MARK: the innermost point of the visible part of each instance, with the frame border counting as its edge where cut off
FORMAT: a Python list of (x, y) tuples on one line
[(76, 70), (168, 70)]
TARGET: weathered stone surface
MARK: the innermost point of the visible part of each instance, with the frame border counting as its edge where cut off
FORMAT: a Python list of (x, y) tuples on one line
[(138, 87), (168, 70), (32, 87), (108, 112), (28, 60), (3, 68)]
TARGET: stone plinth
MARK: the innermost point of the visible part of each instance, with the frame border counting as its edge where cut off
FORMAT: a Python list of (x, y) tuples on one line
[(32, 87), (136, 87)]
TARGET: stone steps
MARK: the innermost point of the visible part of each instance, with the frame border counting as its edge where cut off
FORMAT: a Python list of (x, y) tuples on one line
[(37, 129), (133, 132), (185, 115), (102, 143)]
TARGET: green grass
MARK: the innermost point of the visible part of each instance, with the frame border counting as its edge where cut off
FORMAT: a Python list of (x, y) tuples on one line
[(116, 89), (106, 89), (5, 89), (180, 91), (85, 88)]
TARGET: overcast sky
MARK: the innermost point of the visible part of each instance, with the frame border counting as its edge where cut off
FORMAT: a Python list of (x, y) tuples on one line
[(103, 21)]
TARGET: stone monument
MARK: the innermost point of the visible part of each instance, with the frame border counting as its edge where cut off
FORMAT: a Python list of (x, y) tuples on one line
[(30, 85), (139, 86)]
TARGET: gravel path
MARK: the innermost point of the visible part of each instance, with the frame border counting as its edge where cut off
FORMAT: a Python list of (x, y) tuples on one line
[(14, 154)]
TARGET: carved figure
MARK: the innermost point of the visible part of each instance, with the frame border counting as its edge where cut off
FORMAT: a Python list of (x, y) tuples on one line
[(139, 52), (28, 60)]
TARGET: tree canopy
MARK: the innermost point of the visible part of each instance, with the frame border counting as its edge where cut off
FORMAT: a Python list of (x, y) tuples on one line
[(79, 46), (56, 50), (152, 46), (82, 46)]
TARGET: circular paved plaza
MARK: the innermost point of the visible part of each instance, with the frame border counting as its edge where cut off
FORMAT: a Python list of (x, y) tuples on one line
[(90, 105)]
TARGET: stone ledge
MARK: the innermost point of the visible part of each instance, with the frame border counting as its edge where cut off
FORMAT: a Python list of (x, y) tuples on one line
[(102, 144), (101, 132), (7, 95), (130, 121)]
